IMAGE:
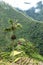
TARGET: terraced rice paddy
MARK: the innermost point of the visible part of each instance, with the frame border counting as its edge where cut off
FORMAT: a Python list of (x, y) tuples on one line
[(28, 61)]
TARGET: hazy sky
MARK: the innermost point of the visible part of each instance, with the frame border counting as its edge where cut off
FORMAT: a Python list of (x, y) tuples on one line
[(21, 4)]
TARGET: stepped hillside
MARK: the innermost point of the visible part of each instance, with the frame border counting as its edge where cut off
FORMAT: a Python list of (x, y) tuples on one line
[(30, 36), (32, 30)]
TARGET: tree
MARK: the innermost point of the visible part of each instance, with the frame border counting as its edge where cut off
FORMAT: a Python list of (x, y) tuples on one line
[(14, 26)]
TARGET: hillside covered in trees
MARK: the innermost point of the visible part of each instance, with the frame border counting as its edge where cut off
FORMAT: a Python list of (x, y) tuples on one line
[(21, 33), (36, 12)]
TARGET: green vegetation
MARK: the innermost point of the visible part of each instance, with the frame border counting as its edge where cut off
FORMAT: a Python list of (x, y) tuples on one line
[(37, 15), (19, 34)]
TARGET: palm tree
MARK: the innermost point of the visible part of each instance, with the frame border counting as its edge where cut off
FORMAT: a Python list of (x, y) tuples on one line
[(14, 26)]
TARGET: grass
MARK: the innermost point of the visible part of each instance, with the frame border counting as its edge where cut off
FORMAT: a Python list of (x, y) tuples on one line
[(15, 53), (37, 56)]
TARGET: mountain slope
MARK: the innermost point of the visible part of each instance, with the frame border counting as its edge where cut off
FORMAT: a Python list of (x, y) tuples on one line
[(32, 30), (36, 12)]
